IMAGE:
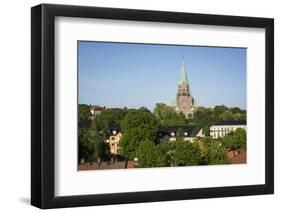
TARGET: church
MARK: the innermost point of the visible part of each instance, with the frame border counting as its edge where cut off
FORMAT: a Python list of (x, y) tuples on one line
[(184, 100)]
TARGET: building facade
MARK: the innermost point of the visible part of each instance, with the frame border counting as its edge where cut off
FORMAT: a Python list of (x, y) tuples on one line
[(96, 110), (187, 133), (113, 140), (221, 128), (184, 100)]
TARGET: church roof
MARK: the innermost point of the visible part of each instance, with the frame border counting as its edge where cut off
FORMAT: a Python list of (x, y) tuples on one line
[(183, 74)]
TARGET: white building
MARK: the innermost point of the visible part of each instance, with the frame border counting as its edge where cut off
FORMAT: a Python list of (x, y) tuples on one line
[(221, 128)]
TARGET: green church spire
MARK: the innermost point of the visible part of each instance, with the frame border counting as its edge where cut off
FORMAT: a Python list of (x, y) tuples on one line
[(183, 74)]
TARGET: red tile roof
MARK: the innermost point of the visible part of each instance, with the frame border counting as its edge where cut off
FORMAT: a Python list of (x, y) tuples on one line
[(239, 158)]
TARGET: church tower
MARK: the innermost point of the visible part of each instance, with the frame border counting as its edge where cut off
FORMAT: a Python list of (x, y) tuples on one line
[(184, 100)]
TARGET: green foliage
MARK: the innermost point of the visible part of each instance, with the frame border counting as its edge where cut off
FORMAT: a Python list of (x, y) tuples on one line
[(179, 133), (91, 145), (98, 147), (137, 126), (163, 140), (167, 115), (243, 117), (213, 153), (83, 143), (187, 153), (235, 141), (146, 154), (151, 155), (205, 117), (84, 115), (235, 110), (84, 112), (226, 115), (163, 155), (109, 117), (219, 109)]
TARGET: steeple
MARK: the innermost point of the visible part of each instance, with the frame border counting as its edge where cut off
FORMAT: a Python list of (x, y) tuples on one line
[(184, 100), (183, 74)]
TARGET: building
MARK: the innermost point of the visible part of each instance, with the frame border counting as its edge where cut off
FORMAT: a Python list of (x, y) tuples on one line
[(113, 140), (221, 128), (237, 157), (96, 110), (184, 100), (188, 133)]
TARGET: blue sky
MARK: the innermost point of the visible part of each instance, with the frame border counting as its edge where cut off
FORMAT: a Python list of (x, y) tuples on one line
[(135, 75)]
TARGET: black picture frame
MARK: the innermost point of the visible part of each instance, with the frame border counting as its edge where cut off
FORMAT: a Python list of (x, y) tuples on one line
[(43, 102)]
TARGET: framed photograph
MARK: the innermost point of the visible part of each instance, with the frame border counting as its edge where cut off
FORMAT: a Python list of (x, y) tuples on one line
[(139, 106)]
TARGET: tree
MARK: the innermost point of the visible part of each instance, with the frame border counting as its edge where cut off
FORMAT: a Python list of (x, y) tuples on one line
[(179, 133), (237, 116), (146, 154), (240, 136), (109, 117), (97, 147), (181, 119), (137, 126), (84, 116), (235, 141), (84, 112), (162, 157), (187, 153), (243, 117), (168, 116), (226, 116), (235, 110), (219, 110), (151, 155), (83, 144), (205, 117), (213, 153), (164, 139)]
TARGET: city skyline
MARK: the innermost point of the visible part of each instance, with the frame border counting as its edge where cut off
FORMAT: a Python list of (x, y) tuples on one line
[(118, 75)]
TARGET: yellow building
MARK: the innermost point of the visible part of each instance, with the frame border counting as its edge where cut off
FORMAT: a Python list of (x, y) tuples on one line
[(113, 140)]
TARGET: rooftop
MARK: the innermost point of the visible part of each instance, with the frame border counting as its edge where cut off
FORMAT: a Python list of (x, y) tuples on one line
[(230, 122), (191, 131), (97, 107), (239, 158)]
